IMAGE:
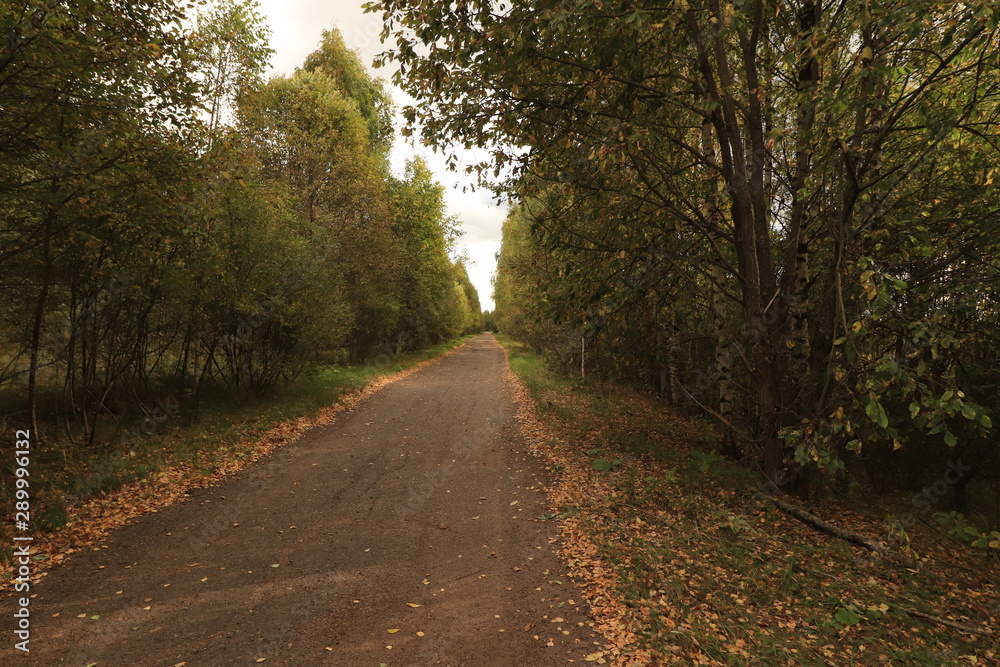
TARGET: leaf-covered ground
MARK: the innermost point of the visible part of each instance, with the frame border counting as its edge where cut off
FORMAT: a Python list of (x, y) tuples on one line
[(685, 562)]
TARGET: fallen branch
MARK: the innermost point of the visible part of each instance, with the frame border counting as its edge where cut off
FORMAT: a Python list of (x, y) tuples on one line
[(951, 624), (827, 527)]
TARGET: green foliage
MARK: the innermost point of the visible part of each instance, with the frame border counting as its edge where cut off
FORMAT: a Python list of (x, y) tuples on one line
[(959, 527), (606, 465), (349, 74), (798, 203), (703, 462), (847, 616), (989, 540), (176, 224), (438, 298), (232, 53)]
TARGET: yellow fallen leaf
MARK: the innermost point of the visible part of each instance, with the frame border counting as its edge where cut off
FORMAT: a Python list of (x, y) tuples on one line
[(420, 634), (81, 616), (410, 604), (393, 631)]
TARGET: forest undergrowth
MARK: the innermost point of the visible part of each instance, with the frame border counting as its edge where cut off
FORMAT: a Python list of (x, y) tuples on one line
[(686, 560)]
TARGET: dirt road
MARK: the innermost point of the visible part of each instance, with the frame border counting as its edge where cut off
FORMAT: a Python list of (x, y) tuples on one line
[(406, 533)]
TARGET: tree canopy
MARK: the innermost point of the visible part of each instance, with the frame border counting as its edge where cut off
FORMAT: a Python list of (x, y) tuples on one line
[(779, 214)]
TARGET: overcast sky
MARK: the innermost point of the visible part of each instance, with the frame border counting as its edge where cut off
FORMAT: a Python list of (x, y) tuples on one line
[(296, 26)]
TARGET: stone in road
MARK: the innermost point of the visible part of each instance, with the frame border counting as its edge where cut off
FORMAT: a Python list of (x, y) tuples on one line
[(405, 533)]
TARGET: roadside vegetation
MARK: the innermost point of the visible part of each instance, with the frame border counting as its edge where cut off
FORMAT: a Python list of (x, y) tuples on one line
[(687, 561), (779, 215)]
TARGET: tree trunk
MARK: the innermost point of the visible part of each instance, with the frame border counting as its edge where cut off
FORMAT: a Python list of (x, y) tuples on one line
[(723, 356), (37, 325)]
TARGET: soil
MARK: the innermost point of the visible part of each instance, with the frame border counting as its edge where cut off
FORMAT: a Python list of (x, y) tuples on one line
[(411, 531)]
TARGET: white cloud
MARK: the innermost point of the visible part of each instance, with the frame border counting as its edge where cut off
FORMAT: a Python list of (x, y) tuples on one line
[(297, 27)]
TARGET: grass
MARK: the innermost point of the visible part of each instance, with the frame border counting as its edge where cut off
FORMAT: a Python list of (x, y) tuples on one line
[(202, 439), (704, 571)]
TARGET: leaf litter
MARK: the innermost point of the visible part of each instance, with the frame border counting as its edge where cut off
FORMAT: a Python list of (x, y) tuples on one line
[(681, 567)]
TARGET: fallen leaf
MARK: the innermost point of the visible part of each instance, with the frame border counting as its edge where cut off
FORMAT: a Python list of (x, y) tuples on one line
[(393, 631), (411, 604)]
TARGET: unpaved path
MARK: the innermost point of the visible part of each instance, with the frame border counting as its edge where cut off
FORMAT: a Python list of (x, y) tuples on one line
[(422, 495)]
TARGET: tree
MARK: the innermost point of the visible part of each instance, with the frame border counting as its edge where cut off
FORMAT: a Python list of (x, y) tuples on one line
[(232, 50), (351, 77), (427, 236), (819, 124), (87, 94), (312, 141)]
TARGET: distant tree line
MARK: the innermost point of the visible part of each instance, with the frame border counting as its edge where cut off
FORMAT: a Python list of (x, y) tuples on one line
[(173, 220)]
